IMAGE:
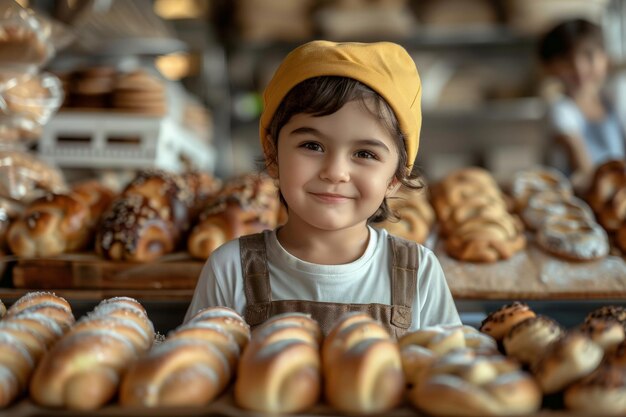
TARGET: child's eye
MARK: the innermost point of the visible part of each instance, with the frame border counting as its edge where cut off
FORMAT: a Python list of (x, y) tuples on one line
[(311, 146), (365, 155)]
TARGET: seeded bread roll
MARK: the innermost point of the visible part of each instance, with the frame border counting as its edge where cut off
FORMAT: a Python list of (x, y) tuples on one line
[(608, 334), (498, 323)]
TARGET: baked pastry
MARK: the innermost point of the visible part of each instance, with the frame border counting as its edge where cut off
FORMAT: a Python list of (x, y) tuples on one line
[(607, 196), (498, 323), (616, 313), (226, 318), (415, 216), (83, 369), (279, 371), (600, 393), (96, 196), (528, 339), (244, 206), (608, 334), (568, 359), (362, 368), (546, 204), (133, 230), (50, 225), (181, 372), (140, 92), (461, 385), (486, 240), (168, 194), (573, 238), (532, 181)]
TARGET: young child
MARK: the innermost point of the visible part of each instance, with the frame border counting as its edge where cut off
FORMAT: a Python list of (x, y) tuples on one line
[(340, 132), (585, 126)]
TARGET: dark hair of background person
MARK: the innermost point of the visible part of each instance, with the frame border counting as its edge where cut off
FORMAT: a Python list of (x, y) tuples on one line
[(562, 40)]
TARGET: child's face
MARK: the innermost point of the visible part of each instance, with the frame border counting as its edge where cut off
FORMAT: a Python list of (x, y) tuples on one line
[(586, 67), (335, 170)]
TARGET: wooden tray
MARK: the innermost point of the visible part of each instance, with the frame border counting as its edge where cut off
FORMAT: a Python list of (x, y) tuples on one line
[(87, 271)]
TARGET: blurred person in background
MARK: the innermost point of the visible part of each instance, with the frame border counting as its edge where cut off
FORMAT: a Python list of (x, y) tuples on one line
[(584, 126)]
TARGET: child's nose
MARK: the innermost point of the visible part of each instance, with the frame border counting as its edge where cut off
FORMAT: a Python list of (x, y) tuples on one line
[(335, 169)]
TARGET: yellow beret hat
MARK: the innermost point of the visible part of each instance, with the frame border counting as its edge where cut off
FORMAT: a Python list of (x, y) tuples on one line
[(385, 67)]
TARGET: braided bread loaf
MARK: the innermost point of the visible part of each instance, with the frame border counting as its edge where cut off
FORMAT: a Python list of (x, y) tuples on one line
[(279, 371), (192, 366), (25, 334), (58, 223), (465, 384), (362, 366), (474, 217), (83, 369), (416, 216)]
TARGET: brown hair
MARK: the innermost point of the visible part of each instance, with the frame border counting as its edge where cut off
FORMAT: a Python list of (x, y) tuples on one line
[(564, 38), (321, 96)]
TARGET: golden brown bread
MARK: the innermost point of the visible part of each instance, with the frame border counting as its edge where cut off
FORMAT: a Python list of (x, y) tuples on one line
[(528, 339), (132, 230), (461, 385), (498, 323), (600, 393), (50, 225), (244, 206), (415, 216)]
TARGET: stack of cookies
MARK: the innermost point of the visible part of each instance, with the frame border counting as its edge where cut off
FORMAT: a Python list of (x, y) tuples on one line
[(140, 92)]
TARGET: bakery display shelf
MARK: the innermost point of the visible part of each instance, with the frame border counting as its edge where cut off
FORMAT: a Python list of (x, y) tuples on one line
[(533, 274), (223, 406), (174, 276)]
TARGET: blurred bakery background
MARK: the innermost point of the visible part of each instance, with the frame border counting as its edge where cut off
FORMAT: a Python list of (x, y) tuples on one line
[(105, 89)]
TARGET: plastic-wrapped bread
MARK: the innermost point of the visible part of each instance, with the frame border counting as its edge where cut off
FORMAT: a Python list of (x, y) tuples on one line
[(279, 371), (83, 370), (362, 368), (192, 366)]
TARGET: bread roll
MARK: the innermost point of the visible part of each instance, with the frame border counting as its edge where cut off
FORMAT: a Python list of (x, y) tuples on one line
[(181, 372), (498, 323), (528, 340)]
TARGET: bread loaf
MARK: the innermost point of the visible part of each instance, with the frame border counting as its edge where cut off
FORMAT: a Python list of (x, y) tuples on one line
[(362, 367), (82, 370), (279, 371), (192, 366)]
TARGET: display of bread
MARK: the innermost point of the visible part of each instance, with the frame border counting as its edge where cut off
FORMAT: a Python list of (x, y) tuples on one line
[(148, 220), (280, 369), (564, 225), (82, 371), (245, 205), (59, 223), (415, 215), (30, 326), (474, 219), (362, 366), (194, 364), (607, 194)]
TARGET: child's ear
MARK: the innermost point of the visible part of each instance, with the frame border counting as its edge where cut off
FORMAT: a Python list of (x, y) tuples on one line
[(394, 185)]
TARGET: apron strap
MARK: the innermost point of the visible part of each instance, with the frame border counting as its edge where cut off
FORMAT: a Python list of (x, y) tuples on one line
[(403, 280), (256, 277)]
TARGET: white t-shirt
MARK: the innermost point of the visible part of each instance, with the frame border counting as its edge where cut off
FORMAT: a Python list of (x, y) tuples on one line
[(603, 139), (364, 281)]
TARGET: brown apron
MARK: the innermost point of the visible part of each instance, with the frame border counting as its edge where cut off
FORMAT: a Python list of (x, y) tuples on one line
[(396, 318)]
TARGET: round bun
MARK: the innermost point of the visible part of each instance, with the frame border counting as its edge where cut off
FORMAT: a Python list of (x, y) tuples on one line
[(600, 393), (527, 340), (498, 323)]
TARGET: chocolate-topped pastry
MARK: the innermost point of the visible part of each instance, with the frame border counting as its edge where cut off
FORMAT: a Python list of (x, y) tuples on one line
[(167, 193), (203, 187), (527, 340), (134, 230), (498, 323)]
